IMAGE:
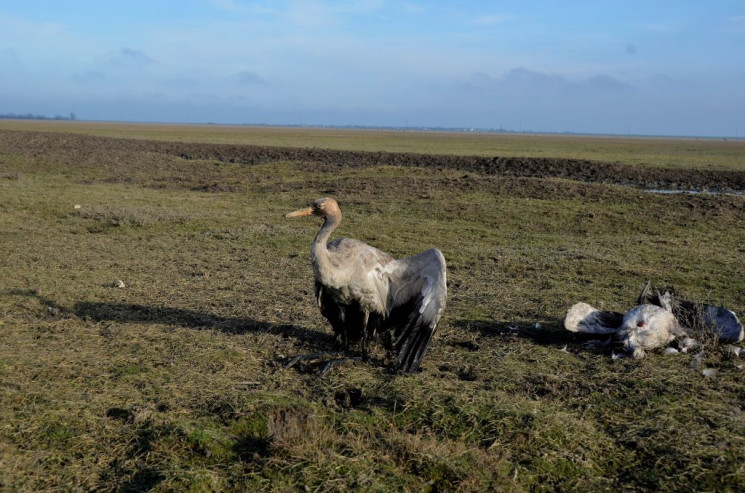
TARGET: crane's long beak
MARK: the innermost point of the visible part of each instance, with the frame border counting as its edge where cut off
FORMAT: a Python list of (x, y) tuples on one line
[(308, 211)]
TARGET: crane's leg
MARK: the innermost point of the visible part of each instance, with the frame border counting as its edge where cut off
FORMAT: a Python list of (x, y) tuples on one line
[(364, 334), (339, 357), (345, 332)]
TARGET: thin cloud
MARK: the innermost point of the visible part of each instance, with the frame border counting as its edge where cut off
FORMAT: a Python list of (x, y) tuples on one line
[(517, 78), (525, 81), (479, 81), (491, 19), (413, 7), (660, 81), (248, 78), (46, 30), (127, 57), (310, 14), (9, 59), (736, 23), (524, 77), (317, 14), (90, 77), (228, 5), (659, 27), (604, 83)]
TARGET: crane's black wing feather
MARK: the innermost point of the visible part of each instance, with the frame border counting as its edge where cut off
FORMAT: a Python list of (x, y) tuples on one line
[(417, 296)]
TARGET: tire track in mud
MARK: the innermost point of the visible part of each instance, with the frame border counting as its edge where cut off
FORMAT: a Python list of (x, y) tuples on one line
[(66, 144)]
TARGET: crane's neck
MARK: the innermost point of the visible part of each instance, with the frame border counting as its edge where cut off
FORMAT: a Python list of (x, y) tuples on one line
[(319, 253)]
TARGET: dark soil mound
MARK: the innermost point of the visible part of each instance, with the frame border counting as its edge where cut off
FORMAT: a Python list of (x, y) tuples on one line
[(574, 169)]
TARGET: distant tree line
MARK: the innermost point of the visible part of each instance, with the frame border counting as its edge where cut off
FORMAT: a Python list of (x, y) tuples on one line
[(29, 116)]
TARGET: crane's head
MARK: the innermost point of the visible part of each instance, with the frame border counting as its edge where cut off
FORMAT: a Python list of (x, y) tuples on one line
[(320, 207)]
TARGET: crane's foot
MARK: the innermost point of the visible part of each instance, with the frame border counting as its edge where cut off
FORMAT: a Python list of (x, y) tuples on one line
[(337, 362), (312, 356), (334, 359)]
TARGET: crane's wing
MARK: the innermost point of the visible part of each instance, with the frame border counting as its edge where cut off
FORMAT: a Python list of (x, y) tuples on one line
[(718, 320), (582, 317), (723, 323), (417, 291)]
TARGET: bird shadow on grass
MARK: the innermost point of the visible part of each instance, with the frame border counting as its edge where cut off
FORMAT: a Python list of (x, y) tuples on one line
[(182, 317), (550, 333), (103, 311), (315, 342)]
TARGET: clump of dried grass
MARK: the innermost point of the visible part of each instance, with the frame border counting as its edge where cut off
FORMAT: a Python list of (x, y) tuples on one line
[(131, 216)]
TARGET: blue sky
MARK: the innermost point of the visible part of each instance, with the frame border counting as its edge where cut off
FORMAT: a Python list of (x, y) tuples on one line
[(644, 67)]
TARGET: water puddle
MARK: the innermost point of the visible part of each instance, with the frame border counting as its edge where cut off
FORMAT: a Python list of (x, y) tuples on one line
[(693, 192)]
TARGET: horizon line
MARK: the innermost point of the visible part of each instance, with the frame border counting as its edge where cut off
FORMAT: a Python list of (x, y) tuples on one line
[(351, 126)]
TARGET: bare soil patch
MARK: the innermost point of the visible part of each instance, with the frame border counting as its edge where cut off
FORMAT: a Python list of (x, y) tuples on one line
[(72, 149)]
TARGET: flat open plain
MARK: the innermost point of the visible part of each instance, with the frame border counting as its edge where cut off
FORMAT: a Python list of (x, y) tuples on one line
[(175, 381)]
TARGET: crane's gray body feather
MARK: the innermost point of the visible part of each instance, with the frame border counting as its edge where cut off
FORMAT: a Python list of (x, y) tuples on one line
[(364, 293)]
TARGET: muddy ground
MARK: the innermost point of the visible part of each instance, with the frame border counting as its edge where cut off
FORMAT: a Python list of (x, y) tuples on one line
[(69, 148)]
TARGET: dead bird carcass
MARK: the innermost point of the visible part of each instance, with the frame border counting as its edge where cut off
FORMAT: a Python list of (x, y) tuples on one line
[(658, 318)]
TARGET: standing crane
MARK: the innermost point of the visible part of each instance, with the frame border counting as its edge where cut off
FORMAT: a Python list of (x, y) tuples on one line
[(365, 293)]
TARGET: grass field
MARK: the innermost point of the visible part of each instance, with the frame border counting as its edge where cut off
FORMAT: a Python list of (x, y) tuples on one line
[(699, 153), (175, 382)]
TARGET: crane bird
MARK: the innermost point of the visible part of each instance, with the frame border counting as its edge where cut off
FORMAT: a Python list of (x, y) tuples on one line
[(365, 293)]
